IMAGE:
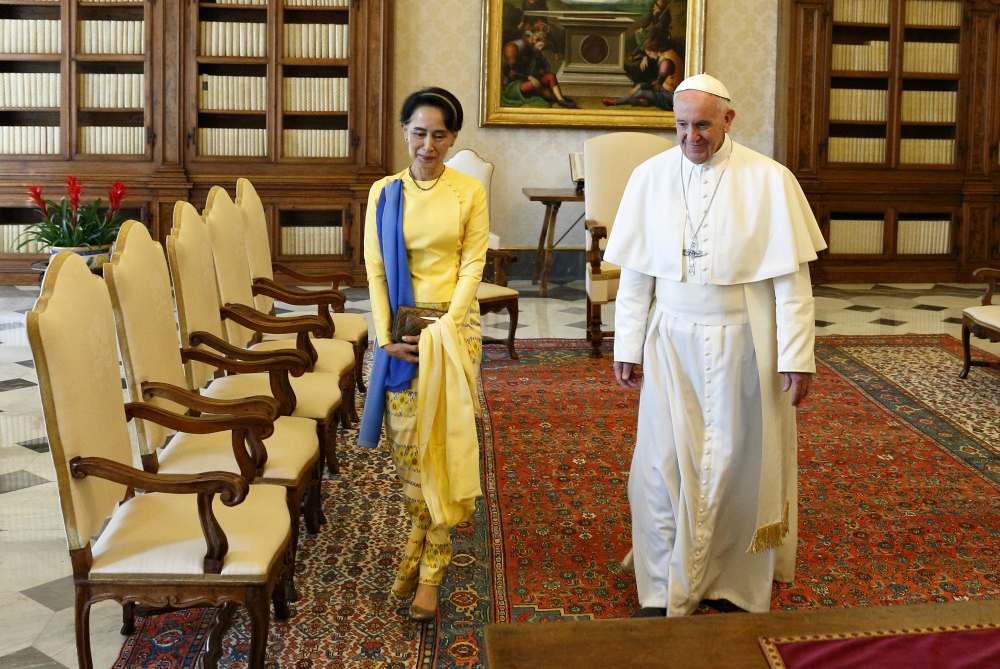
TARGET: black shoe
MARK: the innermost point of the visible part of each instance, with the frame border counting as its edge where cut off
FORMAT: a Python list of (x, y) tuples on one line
[(723, 606), (649, 612), (567, 103)]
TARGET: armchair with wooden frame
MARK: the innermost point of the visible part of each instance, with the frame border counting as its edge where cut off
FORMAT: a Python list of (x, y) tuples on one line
[(493, 293), (139, 286), (352, 328), (982, 321), (608, 164), (315, 396), (209, 539)]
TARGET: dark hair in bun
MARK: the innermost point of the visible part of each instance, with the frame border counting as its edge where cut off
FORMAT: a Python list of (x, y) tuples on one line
[(434, 97)]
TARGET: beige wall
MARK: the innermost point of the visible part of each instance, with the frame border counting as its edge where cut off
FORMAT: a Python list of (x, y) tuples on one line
[(437, 43)]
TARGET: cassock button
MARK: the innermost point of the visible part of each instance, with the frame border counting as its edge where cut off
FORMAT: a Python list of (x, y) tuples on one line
[(707, 438), (708, 380), (709, 409)]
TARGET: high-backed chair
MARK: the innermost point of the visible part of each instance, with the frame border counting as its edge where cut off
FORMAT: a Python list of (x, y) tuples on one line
[(608, 162), (352, 328), (315, 396), (244, 321), (176, 545), (139, 285), (982, 321), (493, 295)]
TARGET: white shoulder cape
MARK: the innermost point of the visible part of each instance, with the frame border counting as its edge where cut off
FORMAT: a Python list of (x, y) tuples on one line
[(764, 227)]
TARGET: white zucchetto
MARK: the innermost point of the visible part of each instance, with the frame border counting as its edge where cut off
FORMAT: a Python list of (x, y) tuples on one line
[(703, 82)]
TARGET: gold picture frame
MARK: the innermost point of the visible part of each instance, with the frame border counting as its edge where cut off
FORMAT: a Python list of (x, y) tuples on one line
[(546, 62)]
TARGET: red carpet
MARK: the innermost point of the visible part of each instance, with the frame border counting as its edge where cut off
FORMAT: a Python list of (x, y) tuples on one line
[(899, 477)]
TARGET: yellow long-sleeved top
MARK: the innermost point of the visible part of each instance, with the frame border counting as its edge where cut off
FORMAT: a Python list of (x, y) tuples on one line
[(446, 230)]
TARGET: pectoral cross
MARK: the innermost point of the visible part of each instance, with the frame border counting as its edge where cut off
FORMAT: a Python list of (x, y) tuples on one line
[(691, 253)]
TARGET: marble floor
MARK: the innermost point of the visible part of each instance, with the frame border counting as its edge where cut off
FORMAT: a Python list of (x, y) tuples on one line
[(36, 590)]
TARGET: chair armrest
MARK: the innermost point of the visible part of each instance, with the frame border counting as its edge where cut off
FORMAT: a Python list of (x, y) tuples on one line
[(258, 322), (202, 338), (333, 278), (296, 296), (259, 425), (500, 258), (597, 231), (231, 489), (278, 367), (989, 275), (250, 406)]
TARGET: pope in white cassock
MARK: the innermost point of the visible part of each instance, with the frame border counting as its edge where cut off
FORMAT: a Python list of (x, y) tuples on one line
[(716, 305)]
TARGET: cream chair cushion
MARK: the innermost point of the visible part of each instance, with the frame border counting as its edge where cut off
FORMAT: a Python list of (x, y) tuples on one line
[(291, 452), (316, 394), (189, 248), (988, 316), (160, 535), (336, 356), (603, 288), (72, 335), (490, 291)]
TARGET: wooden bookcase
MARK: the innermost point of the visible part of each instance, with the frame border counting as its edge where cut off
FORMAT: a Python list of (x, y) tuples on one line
[(887, 118), (309, 127)]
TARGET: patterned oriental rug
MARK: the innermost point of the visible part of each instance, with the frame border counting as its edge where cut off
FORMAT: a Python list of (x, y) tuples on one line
[(900, 504)]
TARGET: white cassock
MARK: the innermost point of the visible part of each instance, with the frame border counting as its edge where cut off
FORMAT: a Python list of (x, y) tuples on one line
[(712, 486)]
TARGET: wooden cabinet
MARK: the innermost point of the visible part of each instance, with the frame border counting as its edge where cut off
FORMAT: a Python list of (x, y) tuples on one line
[(889, 122), (174, 97)]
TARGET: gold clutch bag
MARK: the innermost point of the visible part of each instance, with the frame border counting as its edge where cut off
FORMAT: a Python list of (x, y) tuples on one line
[(409, 321)]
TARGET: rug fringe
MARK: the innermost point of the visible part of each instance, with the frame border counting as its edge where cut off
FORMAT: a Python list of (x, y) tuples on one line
[(770, 536)]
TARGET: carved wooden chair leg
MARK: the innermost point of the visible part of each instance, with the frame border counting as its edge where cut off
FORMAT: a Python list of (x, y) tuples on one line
[(311, 508), (967, 349), (81, 605), (280, 601), (128, 619), (332, 465), (294, 500), (512, 312), (259, 609), (318, 508), (213, 643), (594, 328)]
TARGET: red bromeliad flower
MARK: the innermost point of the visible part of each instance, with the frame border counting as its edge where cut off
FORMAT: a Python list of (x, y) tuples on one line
[(36, 197), (75, 190), (115, 195)]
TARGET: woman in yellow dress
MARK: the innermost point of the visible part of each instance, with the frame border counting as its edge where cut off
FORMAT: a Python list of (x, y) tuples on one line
[(445, 230)]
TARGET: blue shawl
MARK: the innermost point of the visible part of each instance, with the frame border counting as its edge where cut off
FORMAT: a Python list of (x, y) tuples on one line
[(388, 373)]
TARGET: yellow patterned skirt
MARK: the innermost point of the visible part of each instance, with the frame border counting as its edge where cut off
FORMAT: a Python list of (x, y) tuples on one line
[(428, 550)]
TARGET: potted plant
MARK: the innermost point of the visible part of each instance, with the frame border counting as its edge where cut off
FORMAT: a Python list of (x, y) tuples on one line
[(67, 225)]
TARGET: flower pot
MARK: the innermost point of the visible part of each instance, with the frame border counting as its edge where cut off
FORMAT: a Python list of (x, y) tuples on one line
[(95, 256)]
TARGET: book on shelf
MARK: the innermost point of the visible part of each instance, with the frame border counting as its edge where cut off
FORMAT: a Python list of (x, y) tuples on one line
[(856, 150), (241, 2), (317, 3), (871, 56), (29, 139), (854, 236), (112, 37), (250, 142), (316, 40), (932, 237), (853, 104), (232, 93), (943, 13), (111, 91), (11, 237), (315, 94), (861, 11), (930, 57), (30, 89), (927, 151), (929, 106), (312, 240), (316, 143), (114, 140), (233, 40), (30, 36)]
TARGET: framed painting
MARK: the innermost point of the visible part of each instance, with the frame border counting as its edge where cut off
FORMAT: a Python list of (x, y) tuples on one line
[(587, 63)]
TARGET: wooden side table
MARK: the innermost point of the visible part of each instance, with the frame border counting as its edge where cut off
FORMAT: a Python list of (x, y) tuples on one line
[(552, 198)]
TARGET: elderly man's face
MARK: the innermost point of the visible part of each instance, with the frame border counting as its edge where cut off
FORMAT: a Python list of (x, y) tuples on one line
[(701, 124)]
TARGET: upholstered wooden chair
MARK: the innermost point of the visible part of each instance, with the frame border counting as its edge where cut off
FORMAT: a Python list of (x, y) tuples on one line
[(982, 321), (232, 273), (493, 293), (608, 164), (139, 283), (352, 328), (316, 396), (189, 540)]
